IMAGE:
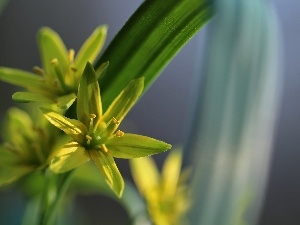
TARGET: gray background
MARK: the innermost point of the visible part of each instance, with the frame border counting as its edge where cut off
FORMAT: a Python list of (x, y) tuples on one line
[(163, 110)]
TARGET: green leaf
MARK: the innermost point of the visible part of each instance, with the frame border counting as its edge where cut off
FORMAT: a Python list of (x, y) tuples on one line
[(149, 40), (51, 46), (106, 164), (24, 97), (124, 101), (66, 101), (88, 97), (69, 157), (72, 127), (90, 49), (145, 174), (134, 146), (24, 79)]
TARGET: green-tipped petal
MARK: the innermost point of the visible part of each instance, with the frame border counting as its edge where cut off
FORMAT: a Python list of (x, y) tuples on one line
[(101, 70), (70, 156), (72, 127), (134, 146), (52, 47), (88, 97), (11, 174), (24, 97), (125, 100), (145, 174), (108, 167), (22, 78), (66, 101), (171, 172), (91, 48), (17, 121)]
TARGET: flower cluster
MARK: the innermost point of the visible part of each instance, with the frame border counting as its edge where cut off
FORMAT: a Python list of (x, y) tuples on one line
[(91, 134)]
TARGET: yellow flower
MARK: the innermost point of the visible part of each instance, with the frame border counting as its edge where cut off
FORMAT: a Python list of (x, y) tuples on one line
[(57, 82), (95, 134), (166, 194)]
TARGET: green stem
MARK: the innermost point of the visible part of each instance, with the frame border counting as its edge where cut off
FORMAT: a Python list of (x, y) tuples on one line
[(55, 188)]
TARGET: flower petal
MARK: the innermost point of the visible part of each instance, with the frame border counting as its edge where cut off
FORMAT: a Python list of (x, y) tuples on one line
[(72, 127), (101, 70), (88, 97), (171, 172), (90, 49), (11, 174), (145, 175), (21, 78), (108, 167), (66, 101), (69, 157), (51, 46), (24, 97), (124, 101), (134, 146)]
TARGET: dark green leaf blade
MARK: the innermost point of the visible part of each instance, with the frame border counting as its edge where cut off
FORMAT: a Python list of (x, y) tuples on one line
[(149, 40)]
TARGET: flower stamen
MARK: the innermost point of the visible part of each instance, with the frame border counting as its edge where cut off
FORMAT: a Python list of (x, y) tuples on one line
[(71, 55), (119, 133), (115, 121)]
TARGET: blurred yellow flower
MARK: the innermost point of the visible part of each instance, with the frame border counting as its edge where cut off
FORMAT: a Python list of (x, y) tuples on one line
[(166, 194)]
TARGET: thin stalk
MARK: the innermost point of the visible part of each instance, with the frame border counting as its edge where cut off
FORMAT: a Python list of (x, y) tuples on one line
[(55, 188)]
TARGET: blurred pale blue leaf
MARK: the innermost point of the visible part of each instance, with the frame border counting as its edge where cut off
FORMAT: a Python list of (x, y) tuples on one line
[(231, 139)]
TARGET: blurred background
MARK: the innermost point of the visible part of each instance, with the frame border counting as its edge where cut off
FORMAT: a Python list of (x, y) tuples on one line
[(163, 111)]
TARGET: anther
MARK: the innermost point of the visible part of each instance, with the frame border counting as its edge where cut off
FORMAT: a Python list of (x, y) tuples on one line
[(89, 138), (119, 133), (104, 149), (115, 121), (54, 62), (38, 70), (73, 69), (92, 116), (71, 55)]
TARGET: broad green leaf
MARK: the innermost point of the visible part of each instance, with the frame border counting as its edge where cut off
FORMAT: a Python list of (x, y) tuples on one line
[(90, 49), (108, 167), (171, 173), (88, 97), (145, 174), (69, 157), (66, 101), (148, 41), (24, 97), (134, 146), (24, 79), (72, 127), (125, 100), (52, 47)]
